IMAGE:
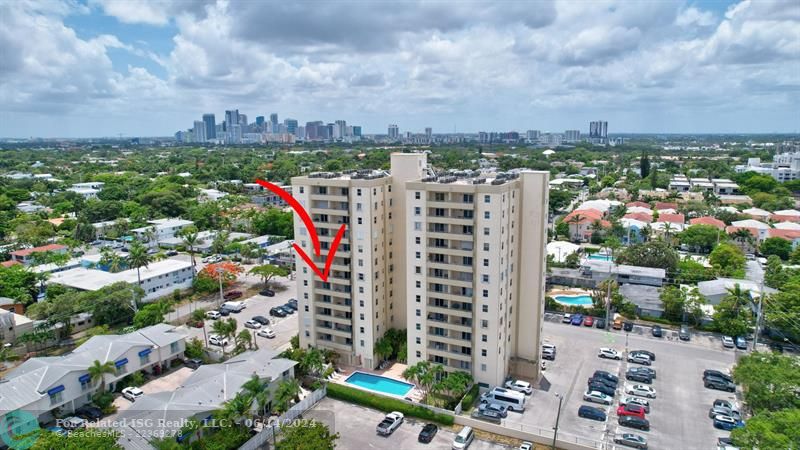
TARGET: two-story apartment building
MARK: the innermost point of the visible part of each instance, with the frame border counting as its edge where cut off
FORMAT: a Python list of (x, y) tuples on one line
[(160, 229)]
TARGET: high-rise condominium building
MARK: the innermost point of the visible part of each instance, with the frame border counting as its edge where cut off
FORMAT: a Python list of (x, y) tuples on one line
[(291, 125), (199, 131), (598, 129), (231, 118), (211, 126), (572, 136), (429, 133), (394, 132), (274, 119), (456, 260)]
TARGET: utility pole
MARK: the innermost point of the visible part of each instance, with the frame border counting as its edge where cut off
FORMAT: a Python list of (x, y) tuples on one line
[(220, 271), (759, 314), (558, 416)]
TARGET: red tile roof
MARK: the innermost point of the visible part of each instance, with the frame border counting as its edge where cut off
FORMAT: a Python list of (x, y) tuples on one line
[(592, 214), (666, 205), (789, 235), (730, 229), (642, 204), (9, 263), (784, 218), (44, 248), (708, 220), (640, 216), (672, 218)]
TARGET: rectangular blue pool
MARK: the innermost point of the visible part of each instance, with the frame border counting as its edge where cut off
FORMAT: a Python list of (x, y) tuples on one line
[(380, 384)]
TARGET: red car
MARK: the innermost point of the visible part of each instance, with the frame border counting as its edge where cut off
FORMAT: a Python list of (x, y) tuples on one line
[(588, 321), (230, 295), (631, 410)]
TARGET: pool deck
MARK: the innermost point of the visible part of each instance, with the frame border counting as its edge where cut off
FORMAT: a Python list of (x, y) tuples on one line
[(394, 371), (554, 292)]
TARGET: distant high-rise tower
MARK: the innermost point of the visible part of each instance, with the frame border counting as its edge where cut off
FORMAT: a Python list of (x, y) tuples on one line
[(273, 118), (231, 119), (357, 130), (291, 125), (243, 122), (429, 133), (598, 130), (394, 131), (572, 135), (199, 131), (340, 129), (211, 126), (260, 123)]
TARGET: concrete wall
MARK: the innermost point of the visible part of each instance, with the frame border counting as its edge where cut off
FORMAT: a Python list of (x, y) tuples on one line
[(542, 436)]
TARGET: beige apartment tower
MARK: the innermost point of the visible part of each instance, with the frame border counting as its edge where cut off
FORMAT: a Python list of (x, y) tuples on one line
[(457, 259)]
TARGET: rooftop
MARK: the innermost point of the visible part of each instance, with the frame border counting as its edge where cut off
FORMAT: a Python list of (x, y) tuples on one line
[(92, 279), (44, 248)]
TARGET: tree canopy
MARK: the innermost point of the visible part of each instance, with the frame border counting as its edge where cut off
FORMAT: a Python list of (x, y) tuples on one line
[(655, 253)]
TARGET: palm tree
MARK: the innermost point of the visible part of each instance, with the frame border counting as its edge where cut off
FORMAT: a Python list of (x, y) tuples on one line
[(287, 391), (98, 370), (312, 361), (191, 240), (383, 348), (244, 339), (138, 258), (219, 242), (743, 237), (667, 230), (235, 408), (575, 220), (257, 390)]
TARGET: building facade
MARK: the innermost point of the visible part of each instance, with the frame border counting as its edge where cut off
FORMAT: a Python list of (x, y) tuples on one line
[(456, 260)]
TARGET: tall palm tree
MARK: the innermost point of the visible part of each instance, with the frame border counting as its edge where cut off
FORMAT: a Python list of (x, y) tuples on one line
[(257, 390), (312, 361), (191, 240), (235, 408), (138, 258), (667, 230), (287, 391), (575, 220), (98, 370)]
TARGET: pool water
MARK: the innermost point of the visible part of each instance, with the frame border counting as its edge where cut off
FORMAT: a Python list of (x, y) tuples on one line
[(574, 300), (601, 257), (380, 384)]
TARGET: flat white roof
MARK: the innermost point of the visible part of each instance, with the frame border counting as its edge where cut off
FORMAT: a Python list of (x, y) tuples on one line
[(92, 279)]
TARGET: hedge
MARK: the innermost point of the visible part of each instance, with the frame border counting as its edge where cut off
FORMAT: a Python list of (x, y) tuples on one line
[(469, 398), (385, 404)]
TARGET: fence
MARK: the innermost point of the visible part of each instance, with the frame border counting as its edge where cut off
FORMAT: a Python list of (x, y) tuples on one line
[(538, 435), (262, 439)]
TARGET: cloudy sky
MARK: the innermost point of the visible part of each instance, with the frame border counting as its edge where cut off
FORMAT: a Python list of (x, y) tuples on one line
[(78, 68)]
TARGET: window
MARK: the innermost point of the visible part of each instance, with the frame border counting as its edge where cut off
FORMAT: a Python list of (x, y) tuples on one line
[(361, 316), (144, 359), (419, 355), (417, 240), (301, 189), (485, 278), (418, 341), (484, 323), (361, 289), (121, 369), (362, 342), (486, 231), (358, 192), (360, 263), (358, 206), (417, 210), (56, 397), (173, 347), (486, 215), (361, 277), (418, 284), (483, 367), (417, 195), (360, 221), (417, 269), (417, 226), (418, 255), (419, 313), (418, 327), (486, 246), (487, 199), (484, 338), (419, 298), (305, 295), (485, 262), (361, 329), (483, 352), (306, 308)]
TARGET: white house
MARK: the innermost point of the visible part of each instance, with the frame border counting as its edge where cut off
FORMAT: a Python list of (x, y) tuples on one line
[(161, 229)]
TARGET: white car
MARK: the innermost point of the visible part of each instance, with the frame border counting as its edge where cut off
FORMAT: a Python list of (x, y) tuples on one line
[(266, 332), (641, 390), (214, 315), (597, 397), (609, 353), (636, 401), (639, 358), (520, 386), (727, 342), (390, 423), (252, 324), (217, 340), (132, 393), (526, 445)]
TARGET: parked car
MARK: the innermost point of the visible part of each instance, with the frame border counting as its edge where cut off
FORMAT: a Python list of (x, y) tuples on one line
[(646, 370), (683, 333), (496, 407), (567, 318), (277, 312), (627, 326), (230, 295), (649, 354), (719, 384), (217, 340), (741, 343), (638, 376), (427, 433), (292, 302), (639, 358), (525, 445), (520, 386), (577, 319), (172, 252), (631, 440), (252, 324), (600, 387), (597, 397), (724, 411), (549, 353), (722, 403), (391, 422), (634, 422), (488, 414), (132, 393), (600, 323), (73, 423), (609, 353), (267, 292), (266, 332), (716, 374), (617, 324), (640, 390), (727, 423), (657, 332), (727, 342), (89, 412), (194, 363), (588, 321), (463, 439), (286, 310), (607, 375), (290, 307), (225, 312), (602, 381), (631, 410), (590, 412), (636, 401)]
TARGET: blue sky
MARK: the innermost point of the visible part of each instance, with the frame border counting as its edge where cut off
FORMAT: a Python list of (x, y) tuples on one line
[(81, 68)]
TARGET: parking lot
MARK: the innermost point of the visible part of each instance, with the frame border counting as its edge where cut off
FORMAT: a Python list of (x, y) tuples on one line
[(356, 426), (679, 414), (259, 305)]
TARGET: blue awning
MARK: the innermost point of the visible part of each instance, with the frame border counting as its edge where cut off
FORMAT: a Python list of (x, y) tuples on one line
[(145, 352), (56, 390), (121, 362), (84, 378)]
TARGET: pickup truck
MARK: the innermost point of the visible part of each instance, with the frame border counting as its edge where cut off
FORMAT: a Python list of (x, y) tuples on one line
[(390, 423)]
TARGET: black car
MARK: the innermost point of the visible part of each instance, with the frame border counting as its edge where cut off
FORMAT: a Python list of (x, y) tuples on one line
[(657, 332), (293, 302), (635, 422), (651, 355), (719, 384), (172, 252), (607, 375), (646, 370), (427, 433), (600, 323), (277, 312), (286, 309), (224, 312), (590, 412), (267, 293), (290, 306), (716, 374), (602, 388), (89, 412), (627, 326), (608, 383), (261, 319), (194, 363), (638, 376)]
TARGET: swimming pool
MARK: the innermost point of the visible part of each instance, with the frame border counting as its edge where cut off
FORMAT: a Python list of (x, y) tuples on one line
[(601, 257), (380, 384), (574, 300)]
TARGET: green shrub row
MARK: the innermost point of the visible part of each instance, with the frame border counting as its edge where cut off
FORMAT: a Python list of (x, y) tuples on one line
[(469, 398), (385, 404)]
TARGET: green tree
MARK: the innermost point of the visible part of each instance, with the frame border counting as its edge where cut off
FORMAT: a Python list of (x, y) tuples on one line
[(18, 283), (644, 165), (770, 381), (691, 272), (48, 440), (654, 253), (777, 246), (268, 271), (152, 314), (286, 392), (138, 258), (782, 309), (728, 259), (701, 237), (769, 429), (258, 390), (312, 361), (732, 315), (383, 348), (244, 340), (191, 240), (307, 435), (774, 276), (98, 370)]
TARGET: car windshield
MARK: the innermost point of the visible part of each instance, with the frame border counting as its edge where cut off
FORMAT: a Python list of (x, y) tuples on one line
[(460, 439)]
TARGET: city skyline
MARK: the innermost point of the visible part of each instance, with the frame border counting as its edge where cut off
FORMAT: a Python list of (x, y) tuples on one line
[(92, 68)]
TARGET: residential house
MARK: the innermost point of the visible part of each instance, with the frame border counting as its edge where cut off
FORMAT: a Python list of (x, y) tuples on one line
[(582, 223), (715, 290), (757, 213), (160, 229), (27, 256), (708, 220)]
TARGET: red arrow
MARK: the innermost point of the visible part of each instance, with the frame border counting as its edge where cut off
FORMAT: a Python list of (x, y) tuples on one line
[(298, 208)]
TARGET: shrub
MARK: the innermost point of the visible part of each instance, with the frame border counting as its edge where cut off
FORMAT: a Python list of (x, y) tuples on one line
[(469, 398), (386, 404)]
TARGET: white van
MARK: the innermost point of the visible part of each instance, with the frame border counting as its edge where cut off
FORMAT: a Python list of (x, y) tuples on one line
[(233, 306), (514, 400), (463, 438)]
